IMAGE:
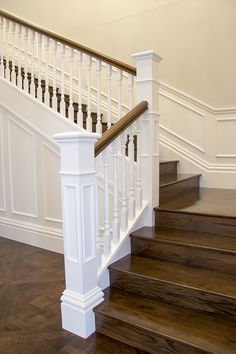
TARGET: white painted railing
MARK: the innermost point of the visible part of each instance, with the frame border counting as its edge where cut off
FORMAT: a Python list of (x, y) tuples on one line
[(61, 74), (103, 198)]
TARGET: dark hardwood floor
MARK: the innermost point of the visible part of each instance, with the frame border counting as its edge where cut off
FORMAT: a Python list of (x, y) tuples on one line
[(31, 283)]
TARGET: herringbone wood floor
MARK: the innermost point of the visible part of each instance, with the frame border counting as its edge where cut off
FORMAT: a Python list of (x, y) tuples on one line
[(31, 283)]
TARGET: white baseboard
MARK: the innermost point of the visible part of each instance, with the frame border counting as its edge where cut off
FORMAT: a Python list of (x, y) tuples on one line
[(34, 235)]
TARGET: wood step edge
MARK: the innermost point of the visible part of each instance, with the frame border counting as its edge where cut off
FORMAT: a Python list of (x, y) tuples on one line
[(163, 162), (181, 211), (180, 178), (167, 337), (185, 244), (113, 267), (121, 316)]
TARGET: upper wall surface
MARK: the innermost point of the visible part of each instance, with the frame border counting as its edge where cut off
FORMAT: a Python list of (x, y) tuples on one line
[(196, 38)]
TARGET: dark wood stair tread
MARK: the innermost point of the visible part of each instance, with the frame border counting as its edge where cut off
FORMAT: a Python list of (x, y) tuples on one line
[(163, 162), (191, 238), (212, 201), (172, 322), (168, 180), (178, 274)]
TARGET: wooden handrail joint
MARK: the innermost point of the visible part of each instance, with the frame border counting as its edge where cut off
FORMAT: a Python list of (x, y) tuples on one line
[(122, 124)]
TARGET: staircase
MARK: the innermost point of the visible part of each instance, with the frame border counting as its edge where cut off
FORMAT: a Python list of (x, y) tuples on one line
[(176, 292)]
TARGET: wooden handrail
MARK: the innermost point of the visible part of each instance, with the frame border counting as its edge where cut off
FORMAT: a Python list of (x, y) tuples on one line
[(118, 64), (122, 124)]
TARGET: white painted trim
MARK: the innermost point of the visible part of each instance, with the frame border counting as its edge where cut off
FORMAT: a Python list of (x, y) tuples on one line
[(182, 139), (3, 168), (195, 101), (13, 211), (182, 104), (195, 159), (35, 235)]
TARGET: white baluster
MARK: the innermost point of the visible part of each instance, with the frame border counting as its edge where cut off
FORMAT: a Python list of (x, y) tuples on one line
[(107, 233), (7, 69), (32, 83), (116, 223), (109, 73), (13, 72), (99, 124), (62, 103), (71, 107), (39, 88), (80, 107), (46, 94), (139, 186), (88, 76), (131, 173), (124, 215), (26, 88), (131, 90), (119, 84), (19, 76), (54, 92), (1, 47)]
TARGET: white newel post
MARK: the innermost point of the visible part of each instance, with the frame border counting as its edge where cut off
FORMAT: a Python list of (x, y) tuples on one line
[(78, 176), (147, 89)]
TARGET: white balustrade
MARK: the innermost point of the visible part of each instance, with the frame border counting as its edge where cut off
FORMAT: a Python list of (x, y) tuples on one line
[(62, 102), (99, 118), (131, 90), (39, 87), (32, 83), (131, 173), (71, 107), (46, 93), (109, 74), (7, 68), (26, 83), (107, 232), (116, 221), (13, 54), (19, 74), (139, 176), (124, 212), (119, 84), (54, 92), (80, 107), (88, 81)]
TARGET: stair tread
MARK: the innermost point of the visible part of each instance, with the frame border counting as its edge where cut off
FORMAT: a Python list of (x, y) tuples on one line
[(168, 180), (162, 162), (203, 279), (207, 203), (184, 325), (213, 241)]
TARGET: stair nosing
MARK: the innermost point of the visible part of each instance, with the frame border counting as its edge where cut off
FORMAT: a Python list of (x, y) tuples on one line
[(179, 180), (173, 283), (159, 333), (160, 208), (184, 244)]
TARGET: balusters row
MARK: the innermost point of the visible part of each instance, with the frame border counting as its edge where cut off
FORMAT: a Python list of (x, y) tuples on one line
[(62, 77), (121, 191)]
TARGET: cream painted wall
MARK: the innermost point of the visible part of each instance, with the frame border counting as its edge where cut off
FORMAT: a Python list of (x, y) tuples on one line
[(196, 37)]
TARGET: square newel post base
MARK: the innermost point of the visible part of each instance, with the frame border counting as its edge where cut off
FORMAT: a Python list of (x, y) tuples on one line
[(77, 311)]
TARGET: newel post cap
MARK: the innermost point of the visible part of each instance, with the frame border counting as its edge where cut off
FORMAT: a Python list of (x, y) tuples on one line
[(76, 137), (147, 55)]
